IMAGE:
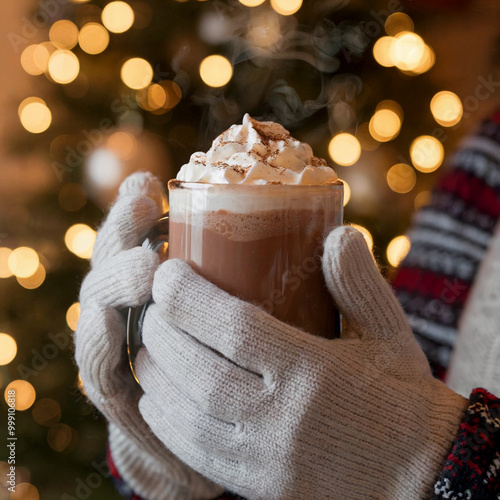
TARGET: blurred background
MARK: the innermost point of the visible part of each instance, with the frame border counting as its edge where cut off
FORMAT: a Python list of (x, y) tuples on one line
[(94, 90)]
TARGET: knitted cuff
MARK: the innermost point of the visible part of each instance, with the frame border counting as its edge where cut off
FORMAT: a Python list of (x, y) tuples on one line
[(472, 469)]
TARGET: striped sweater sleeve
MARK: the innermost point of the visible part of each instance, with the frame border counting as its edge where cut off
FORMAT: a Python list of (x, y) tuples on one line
[(449, 239)]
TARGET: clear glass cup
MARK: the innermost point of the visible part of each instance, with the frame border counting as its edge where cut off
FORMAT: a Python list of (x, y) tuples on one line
[(261, 243)]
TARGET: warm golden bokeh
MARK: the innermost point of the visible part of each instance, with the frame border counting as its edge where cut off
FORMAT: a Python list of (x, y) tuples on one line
[(25, 394), (118, 17), (427, 153), (23, 262), (35, 59), (286, 7), (347, 192), (382, 51), (216, 71), (447, 109), (72, 315), (136, 73), (64, 34), (385, 125), (8, 349), (35, 115), (63, 66), (35, 280), (397, 250), (80, 240), (93, 38), (407, 50), (344, 149), (5, 271), (401, 178), (251, 3)]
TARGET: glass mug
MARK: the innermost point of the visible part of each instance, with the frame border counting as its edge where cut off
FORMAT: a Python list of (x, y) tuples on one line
[(261, 243)]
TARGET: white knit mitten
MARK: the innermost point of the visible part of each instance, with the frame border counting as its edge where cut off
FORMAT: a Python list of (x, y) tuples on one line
[(476, 358), (121, 276), (272, 412)]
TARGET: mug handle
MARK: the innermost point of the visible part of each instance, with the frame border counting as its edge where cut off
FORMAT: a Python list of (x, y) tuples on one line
[(155, 239)]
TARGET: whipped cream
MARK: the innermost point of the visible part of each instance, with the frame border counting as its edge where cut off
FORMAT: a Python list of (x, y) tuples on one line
[(257, 153)]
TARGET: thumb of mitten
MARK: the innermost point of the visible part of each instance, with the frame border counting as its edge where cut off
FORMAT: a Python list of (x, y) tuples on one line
[(361, 293)]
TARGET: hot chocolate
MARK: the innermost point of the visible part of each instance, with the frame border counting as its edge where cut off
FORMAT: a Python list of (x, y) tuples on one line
[(251, 215)]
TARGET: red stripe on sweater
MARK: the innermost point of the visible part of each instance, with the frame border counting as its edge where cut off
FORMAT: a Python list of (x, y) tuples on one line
[(452, 291), (474, 191)]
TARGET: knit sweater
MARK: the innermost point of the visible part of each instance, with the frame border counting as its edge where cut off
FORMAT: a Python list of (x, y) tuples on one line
[(449, 239)]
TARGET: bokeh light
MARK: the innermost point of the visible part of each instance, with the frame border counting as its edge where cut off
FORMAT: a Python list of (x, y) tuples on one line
[(34, 114), (25, 491), (286, 7), (216, 71), (35, 280), (398, 22), (72, 315), (422, 199), (427, 62), (8, 349), (64, 34), (385, 125), (447, 109), (46, 411), (118, 17), (80, 240), (93, 38), (397, 250), (63, 66), (427, 153), (251, 3), (5, 271), (344, 149), (407, 51), (136, 73), (25, 394), (23, 262), (157, 97), (347, 192), (401, 178), (382, 51), (59, 437), (35, 59), (173, 93), (366, 234)]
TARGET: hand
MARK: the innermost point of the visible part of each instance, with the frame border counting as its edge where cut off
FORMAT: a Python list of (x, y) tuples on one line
[(121, 276), (476, 357), (272, 412)]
